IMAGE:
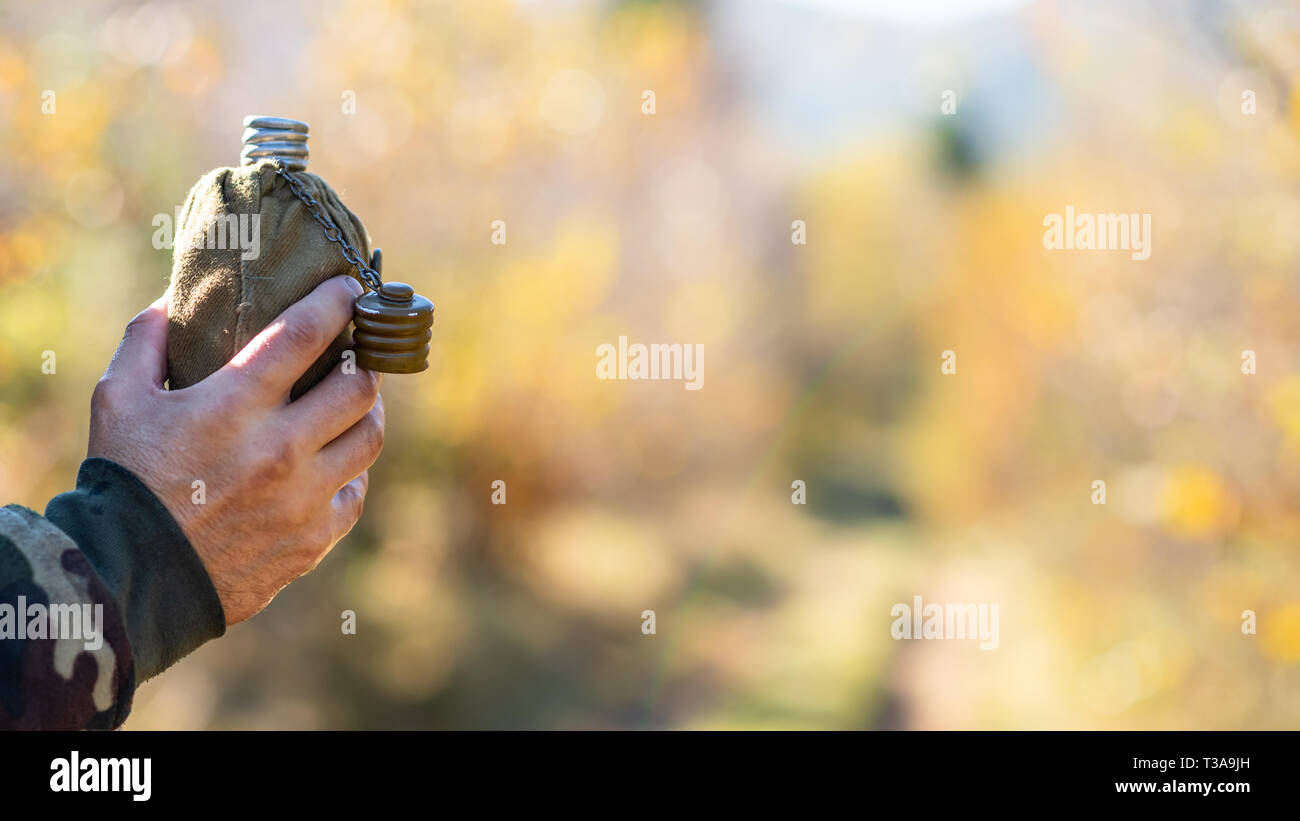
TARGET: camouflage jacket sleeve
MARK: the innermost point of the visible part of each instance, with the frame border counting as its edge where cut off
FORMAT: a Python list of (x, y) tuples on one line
[(101, 593)]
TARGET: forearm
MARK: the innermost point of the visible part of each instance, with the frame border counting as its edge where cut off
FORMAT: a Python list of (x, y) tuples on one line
[(143, 557)]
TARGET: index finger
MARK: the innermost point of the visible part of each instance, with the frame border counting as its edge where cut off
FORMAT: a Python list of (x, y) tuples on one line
[(276, 358)]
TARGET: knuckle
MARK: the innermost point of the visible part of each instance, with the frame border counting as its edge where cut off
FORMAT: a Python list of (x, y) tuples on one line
[(283, 452), (275, 462), (373, 436), (301, 518), (301, 333), (356, 502), (137, 323), (108, 396), (352, 502)]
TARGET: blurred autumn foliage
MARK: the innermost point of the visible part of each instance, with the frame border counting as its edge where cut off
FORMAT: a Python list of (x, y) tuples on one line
[(924, 234)]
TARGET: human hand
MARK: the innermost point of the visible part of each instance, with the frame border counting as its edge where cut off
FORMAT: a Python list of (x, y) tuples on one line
[(281, 482)]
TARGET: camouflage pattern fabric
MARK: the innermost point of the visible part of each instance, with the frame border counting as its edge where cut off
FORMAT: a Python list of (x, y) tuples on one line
[(52, 682)]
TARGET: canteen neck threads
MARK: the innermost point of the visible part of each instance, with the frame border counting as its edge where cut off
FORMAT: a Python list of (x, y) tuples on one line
[(269, 138)]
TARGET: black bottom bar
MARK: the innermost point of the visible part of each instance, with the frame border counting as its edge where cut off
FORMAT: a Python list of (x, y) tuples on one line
[(566, 771)]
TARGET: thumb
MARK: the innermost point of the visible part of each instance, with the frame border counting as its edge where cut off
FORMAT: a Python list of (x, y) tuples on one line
[(141, 358)]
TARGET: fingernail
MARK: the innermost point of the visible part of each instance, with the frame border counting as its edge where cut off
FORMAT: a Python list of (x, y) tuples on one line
[(357, 289)]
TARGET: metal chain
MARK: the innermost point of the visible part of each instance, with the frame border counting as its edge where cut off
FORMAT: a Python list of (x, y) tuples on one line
[(332, 233)]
